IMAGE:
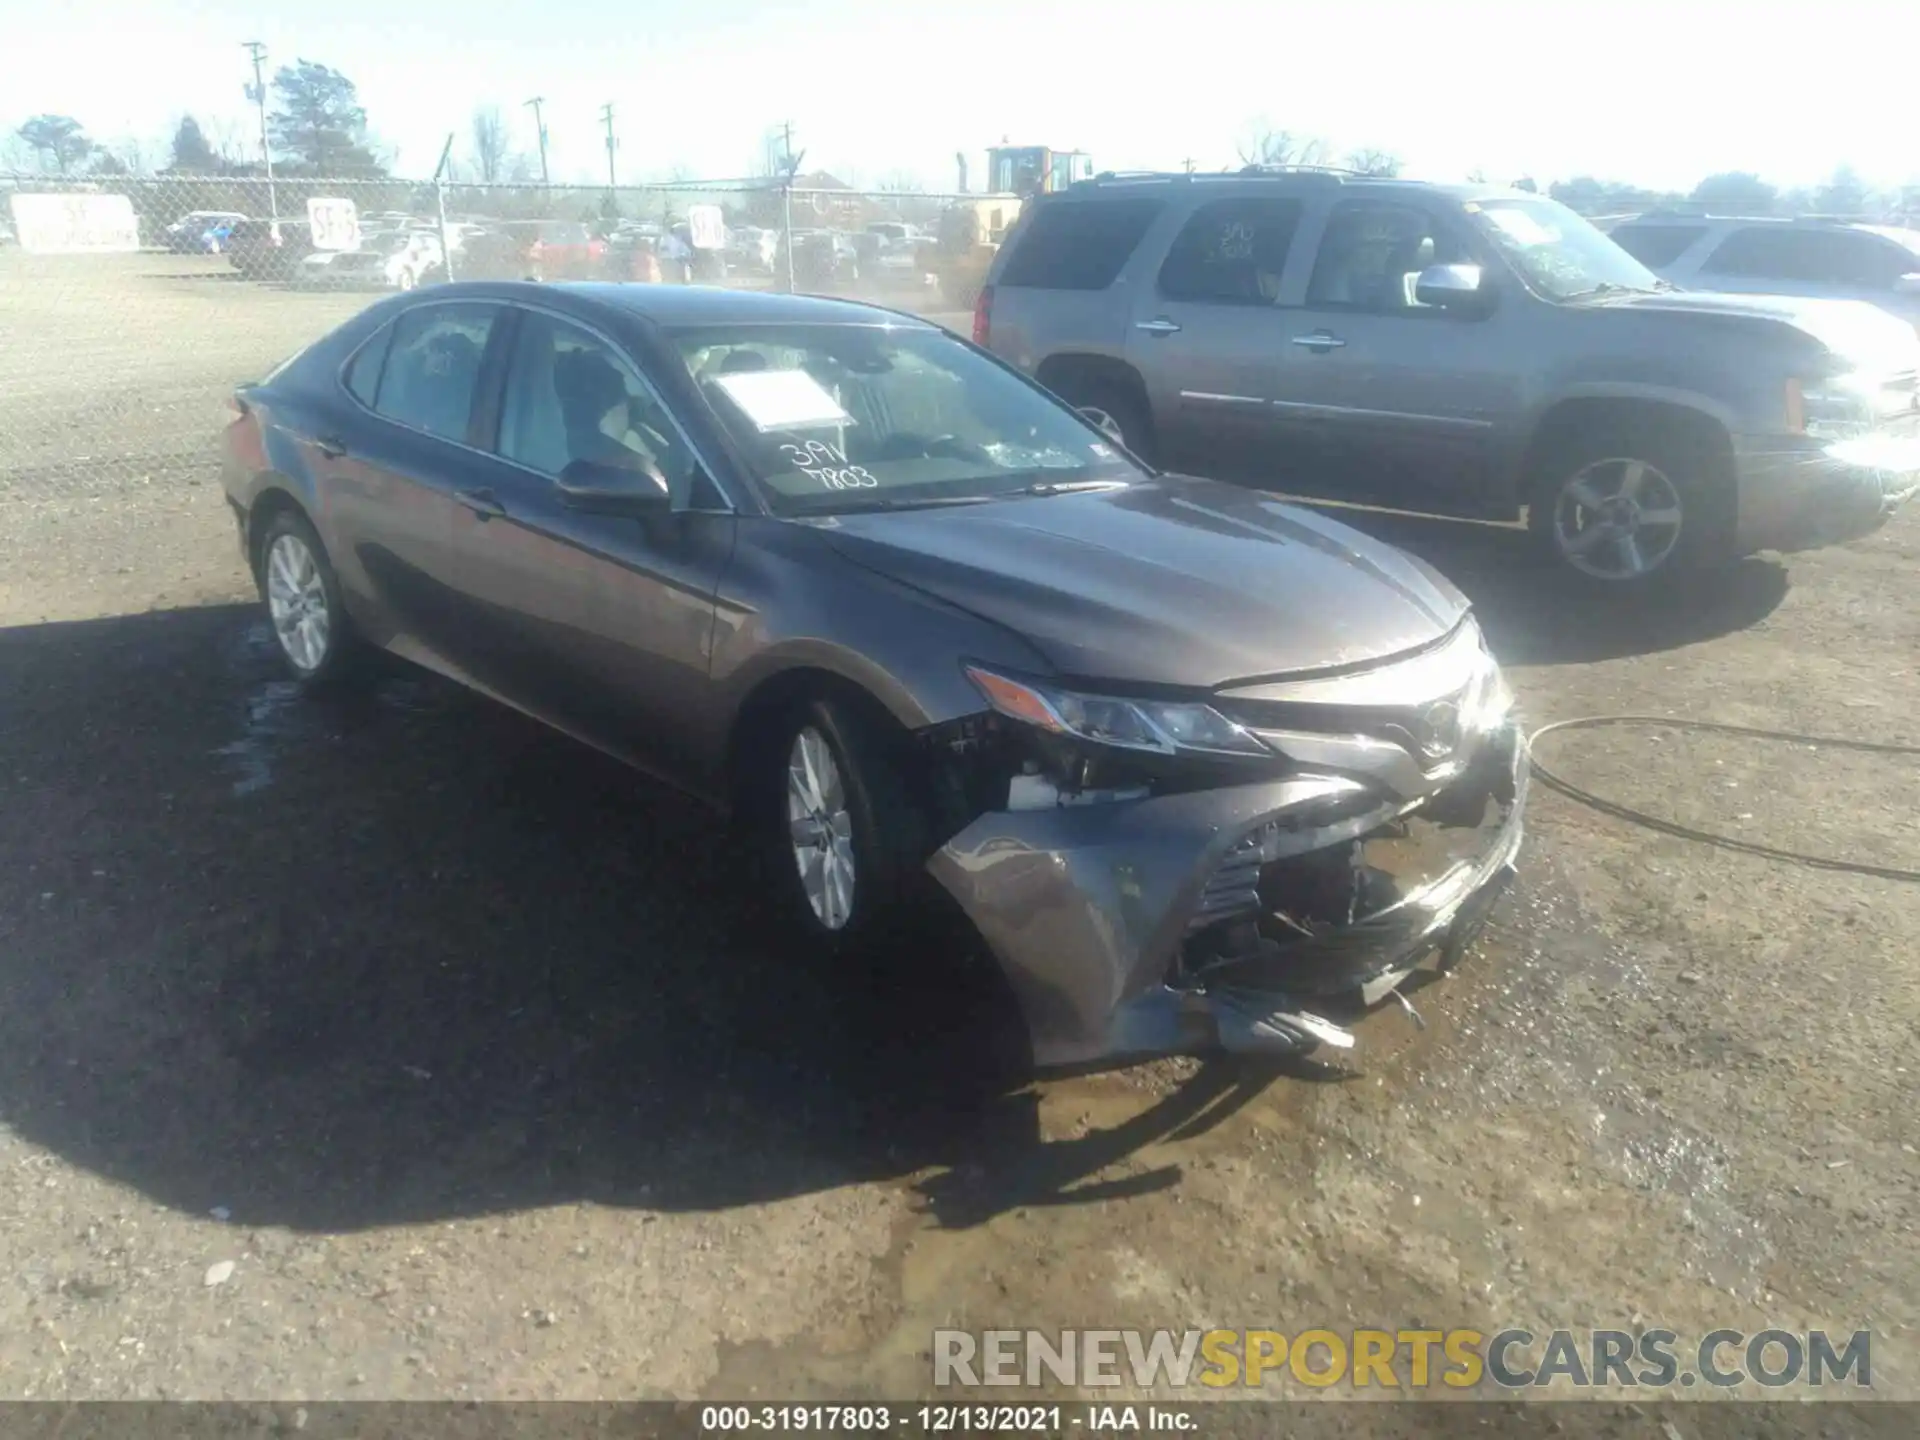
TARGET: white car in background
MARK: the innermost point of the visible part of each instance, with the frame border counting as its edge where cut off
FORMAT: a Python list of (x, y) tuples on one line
[(1822, 259), (396, 261)]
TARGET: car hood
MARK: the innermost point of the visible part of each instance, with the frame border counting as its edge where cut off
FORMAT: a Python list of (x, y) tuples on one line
[(1170, 582), (1863, 335)]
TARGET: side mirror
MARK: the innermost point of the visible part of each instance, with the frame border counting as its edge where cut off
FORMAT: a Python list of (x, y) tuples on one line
[(1453, 287), (1907, 284), (602, 489)]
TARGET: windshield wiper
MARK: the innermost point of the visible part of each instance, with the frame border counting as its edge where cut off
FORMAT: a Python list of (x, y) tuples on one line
[(1068, 487), (881, 502), (1613, 287)]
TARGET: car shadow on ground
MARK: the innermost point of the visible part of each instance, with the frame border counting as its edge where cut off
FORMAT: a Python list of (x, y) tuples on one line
[(406, 956), (1535, 616)]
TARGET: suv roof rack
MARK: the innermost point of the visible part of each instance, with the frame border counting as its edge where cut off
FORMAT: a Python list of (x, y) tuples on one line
[(1303, 172)]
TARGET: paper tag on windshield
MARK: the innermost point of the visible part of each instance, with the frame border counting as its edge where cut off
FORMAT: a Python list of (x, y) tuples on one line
[(783, 399), (1523, 227)]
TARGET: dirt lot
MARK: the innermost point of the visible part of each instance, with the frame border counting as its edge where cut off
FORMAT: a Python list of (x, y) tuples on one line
[(460, 1048)]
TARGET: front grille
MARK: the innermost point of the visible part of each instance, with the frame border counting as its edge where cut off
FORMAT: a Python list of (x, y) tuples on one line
[(1411, 727)]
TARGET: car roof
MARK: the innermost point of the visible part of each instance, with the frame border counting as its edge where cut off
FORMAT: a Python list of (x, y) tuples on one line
[(713, 305), (1288, 179)]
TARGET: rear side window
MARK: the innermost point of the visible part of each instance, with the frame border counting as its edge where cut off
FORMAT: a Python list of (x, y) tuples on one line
[(1657, 245), (433, 362), (363, 372), (1232, 251), (1827, 257), (1077, 244)]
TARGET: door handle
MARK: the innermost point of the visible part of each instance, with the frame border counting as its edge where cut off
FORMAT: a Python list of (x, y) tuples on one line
[(331, 446), (1319, 340), (1160, 326), (483, 503)]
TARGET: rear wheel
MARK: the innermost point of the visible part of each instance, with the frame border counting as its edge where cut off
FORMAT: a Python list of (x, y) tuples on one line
[(1631, 507), (315, 638)]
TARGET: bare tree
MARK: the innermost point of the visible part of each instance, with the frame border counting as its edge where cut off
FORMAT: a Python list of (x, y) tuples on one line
[(490, 143), (902, 182), (1374, 162), (1262, 144)]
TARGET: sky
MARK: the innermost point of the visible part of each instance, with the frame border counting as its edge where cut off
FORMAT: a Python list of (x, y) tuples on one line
[(1655, 94)]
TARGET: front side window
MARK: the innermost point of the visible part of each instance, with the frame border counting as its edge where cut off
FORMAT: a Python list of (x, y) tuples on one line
[(1557, 253), (432, 365), (1231, 252), (570, 396), (1372, 254), (838, 417)]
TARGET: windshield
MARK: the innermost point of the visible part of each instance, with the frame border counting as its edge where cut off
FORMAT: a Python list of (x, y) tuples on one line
[(843, 417), (1556, 252)]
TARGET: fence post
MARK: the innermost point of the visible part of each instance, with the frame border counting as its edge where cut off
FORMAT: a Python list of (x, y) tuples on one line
[(786, 221), (446, 245)]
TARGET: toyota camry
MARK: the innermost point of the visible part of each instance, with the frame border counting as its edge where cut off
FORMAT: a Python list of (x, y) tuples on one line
[(1199, 765)]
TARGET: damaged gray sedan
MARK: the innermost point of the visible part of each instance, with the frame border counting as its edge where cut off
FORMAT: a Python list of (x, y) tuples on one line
[(1202, 768)]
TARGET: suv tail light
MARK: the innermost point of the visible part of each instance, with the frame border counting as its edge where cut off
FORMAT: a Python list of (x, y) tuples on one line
[(983, 315)]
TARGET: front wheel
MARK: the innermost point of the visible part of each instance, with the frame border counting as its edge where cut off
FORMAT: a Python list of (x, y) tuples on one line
[(845, 839), (1630, 508)]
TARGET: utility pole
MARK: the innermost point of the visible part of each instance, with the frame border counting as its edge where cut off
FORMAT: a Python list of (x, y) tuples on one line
[(257, 92), (606, 118), (540, 131), (789, 167)]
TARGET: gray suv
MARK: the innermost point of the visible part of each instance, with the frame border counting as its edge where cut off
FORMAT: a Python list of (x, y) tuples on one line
[(1457, 350)]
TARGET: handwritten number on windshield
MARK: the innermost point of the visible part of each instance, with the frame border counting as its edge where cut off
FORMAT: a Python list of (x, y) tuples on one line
[(829, 466)]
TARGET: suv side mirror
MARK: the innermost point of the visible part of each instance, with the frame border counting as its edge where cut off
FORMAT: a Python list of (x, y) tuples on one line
[(1453, 287), (602, 489)]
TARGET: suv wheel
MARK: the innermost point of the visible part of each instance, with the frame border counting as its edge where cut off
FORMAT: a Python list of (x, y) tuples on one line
[(1628, 507), (1118, 414)]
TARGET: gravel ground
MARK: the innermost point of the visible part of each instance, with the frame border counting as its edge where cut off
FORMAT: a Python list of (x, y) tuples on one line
[(394, 1048)]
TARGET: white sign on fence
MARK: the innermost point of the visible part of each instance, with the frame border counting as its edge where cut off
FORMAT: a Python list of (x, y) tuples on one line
[(75, 224), (335, 222), (706, 227)]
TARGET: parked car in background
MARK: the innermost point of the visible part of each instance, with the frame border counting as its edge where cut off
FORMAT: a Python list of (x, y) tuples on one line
[(1831, 259), (1188, 757), (821, 258), (565, 250), (396, 261), (201, 232), (1462, 351), (269, 249)]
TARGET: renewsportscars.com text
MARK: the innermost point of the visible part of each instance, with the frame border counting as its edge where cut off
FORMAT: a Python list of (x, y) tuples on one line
[(1459, 1359)]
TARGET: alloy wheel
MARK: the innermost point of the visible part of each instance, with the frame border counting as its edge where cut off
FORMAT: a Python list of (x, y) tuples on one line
[(1617, 519), (297, 603), (820, 828), (1105, 422)]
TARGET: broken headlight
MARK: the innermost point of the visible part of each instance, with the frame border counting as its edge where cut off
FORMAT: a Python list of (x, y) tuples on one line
[(1160, 727)]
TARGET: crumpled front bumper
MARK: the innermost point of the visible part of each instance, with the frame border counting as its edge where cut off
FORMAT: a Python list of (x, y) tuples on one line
[(1802, 497), (1093, 910)]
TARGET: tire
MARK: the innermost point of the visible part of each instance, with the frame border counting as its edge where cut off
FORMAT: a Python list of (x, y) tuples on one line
[(1114, 408), (312, 633), (1631, 507), (868, 833)]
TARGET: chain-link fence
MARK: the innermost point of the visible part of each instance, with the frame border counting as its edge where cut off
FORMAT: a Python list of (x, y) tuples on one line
[(131, 308)]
